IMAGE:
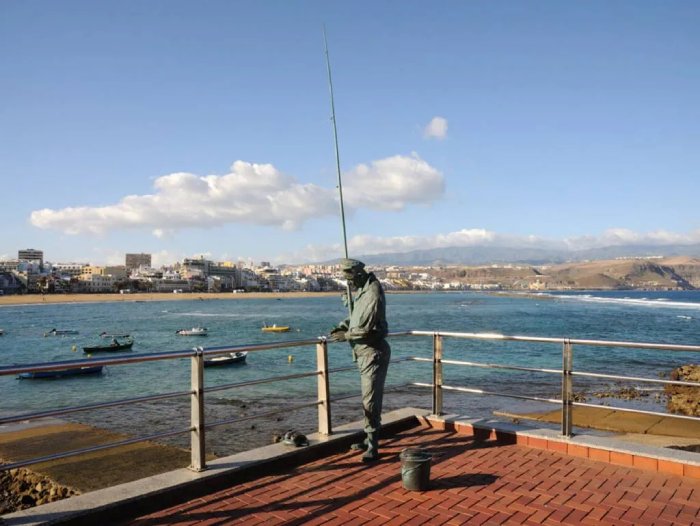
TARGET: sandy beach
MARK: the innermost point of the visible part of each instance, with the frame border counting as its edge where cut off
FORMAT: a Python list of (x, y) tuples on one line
[(38, 299)]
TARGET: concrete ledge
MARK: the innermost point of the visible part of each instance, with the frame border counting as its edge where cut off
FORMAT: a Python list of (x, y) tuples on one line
[(167, 489), (599, 448)]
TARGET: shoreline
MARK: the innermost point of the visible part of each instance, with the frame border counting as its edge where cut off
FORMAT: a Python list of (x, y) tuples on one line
[(53, 299)]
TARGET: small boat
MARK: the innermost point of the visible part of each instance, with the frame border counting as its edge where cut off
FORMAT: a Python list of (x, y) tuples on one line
[(2, 332), (112, 335), (64, 332), (225, 359), (275, 328), (62, 373), (194, 331), (116, 345)]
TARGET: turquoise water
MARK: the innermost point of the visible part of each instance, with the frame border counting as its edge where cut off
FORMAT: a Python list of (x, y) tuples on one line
[(668, 317)]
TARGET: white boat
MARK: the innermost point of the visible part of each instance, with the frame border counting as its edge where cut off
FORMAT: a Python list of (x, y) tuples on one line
[(194, 331), (61, 332)]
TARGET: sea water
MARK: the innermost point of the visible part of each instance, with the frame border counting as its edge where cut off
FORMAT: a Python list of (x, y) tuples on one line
[(662, 317)]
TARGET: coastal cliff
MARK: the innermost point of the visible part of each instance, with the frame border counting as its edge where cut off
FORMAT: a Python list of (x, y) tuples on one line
[(679, 273)]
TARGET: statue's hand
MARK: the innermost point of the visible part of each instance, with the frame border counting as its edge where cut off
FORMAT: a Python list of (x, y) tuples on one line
[(337, 335)]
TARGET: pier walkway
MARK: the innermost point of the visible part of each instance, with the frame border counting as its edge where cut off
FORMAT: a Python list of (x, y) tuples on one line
[(483, 472), (493, 479)]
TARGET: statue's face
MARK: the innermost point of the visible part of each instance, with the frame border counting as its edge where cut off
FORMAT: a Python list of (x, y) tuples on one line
[(356, 278)]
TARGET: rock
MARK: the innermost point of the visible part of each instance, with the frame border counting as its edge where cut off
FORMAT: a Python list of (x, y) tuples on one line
[(27, 501), (21, 488), (682, 399), (623, 393)]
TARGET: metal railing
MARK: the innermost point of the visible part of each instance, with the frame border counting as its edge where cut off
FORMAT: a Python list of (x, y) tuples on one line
[(567, 373), (323, 401)]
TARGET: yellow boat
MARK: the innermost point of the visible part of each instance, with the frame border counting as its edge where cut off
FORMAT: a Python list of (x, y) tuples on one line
[(275, 328)]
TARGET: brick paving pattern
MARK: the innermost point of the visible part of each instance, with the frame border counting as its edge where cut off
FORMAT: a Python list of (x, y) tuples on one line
[(472, 482)]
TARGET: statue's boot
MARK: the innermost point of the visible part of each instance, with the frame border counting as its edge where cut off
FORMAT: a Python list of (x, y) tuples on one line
[(359, 446), (372, 452)]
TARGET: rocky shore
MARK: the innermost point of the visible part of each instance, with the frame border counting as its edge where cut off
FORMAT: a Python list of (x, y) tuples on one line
[(684, 400), (21, 488)]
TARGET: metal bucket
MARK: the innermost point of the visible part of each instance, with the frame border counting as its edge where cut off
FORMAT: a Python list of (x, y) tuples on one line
[(415, 469)]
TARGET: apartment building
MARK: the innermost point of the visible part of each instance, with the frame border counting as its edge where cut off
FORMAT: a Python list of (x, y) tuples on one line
[(134, 261)]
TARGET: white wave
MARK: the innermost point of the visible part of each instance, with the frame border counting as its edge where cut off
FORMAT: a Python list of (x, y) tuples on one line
[(685, 317), (639, 302)]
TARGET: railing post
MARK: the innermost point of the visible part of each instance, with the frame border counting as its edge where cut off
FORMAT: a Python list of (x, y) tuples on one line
[(197, 447), (437, 374), (324, 389), (567, 389)]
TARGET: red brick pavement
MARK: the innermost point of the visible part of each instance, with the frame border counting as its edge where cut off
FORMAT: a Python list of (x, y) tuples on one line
[(472, 482)]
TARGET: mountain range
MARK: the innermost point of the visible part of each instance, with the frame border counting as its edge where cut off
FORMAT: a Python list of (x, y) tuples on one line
[(484, 255)]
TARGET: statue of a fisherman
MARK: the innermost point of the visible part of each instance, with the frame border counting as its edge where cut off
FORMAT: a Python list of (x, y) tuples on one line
[(366, 331)]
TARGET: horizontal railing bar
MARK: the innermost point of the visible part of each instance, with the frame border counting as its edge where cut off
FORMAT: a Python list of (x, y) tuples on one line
[(491, 393), (537, 339), (88, 407), (493, 366), (260, 381), (635, 378), (357, 395), (16, 369), (68, 364), (149, 357), (92, 449), (343, 369), (256, 347), (640, 411), (262, 415), (354, 368), (345, 397)]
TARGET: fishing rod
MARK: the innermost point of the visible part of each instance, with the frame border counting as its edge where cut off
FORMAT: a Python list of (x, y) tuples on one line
[(337, 164)]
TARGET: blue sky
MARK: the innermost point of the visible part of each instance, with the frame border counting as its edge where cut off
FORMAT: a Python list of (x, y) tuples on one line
[(189, 128)]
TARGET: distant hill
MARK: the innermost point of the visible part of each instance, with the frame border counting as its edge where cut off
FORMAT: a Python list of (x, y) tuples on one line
[(623, 274), (484, 255)]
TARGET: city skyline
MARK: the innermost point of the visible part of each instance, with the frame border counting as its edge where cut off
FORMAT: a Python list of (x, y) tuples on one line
[(183, 130)]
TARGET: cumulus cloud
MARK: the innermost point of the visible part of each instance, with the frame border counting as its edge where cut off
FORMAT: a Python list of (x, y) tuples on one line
[(251, 194), (436, 129), (392, 183)]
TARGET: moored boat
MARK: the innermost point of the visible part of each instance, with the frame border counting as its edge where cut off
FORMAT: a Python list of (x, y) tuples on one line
[(275, 328), (226, 359), (61, 373), (106, 334), (194, 331), (61, 332), (115, 345)]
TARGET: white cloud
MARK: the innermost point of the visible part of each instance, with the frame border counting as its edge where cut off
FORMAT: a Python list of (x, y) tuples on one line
[(477, 237), (392, 183), (623, 237), (251, 194), (436, 129)]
